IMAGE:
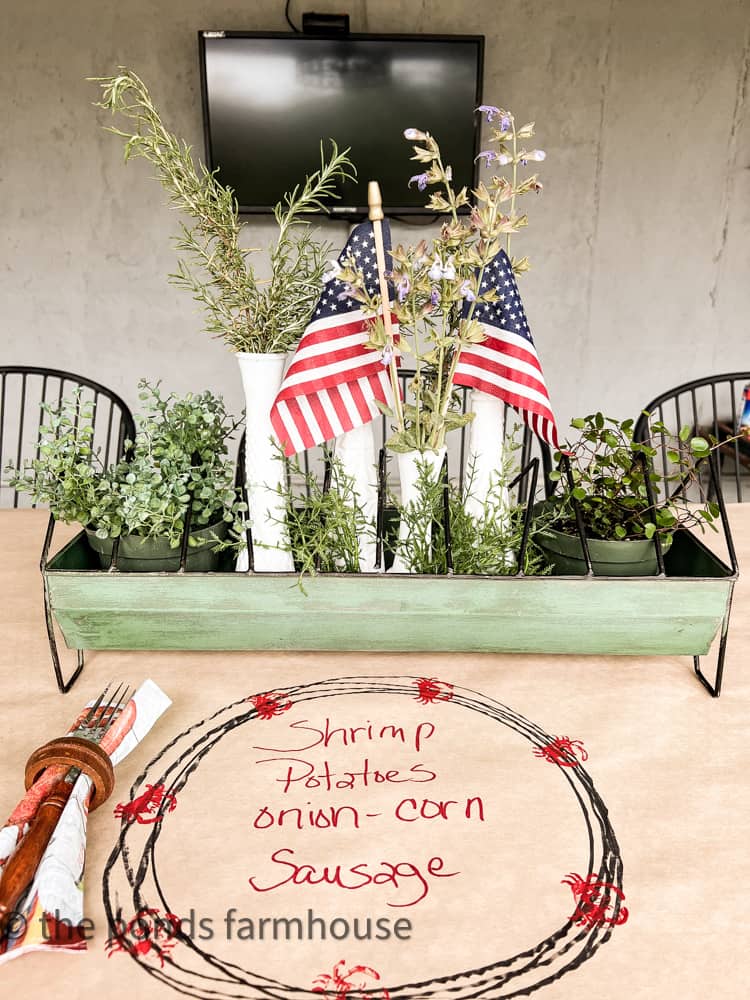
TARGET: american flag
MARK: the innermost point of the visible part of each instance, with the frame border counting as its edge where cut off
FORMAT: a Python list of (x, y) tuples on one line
[(506, 364), (333, 380)]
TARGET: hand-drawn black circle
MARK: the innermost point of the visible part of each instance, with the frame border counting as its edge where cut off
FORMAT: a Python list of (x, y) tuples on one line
[(544, 963)]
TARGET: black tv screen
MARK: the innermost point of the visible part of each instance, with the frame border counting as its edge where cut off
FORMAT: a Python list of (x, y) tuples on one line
[(269, 99)]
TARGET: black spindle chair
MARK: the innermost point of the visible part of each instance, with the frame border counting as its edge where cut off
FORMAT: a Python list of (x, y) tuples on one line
[(710, 406), (23, 391)]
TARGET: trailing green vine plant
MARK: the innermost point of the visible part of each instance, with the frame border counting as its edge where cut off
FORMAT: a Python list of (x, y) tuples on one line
[(612, 474)]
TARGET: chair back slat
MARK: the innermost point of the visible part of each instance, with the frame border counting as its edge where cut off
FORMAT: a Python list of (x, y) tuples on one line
[(24, 390), (710, 406)]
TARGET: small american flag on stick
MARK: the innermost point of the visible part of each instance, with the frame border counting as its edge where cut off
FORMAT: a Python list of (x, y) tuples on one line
[(334, 380), (506, 364)]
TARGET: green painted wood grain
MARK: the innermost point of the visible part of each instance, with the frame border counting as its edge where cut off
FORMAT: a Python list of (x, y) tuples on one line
[(534, 614)]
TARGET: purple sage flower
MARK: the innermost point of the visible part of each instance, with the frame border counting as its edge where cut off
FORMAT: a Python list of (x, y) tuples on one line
[(436, 271), (505, 123), (346, 293), (420, 180), (488, 155), (403, 288), (435, 296), (466, 291), (440, 270), (413, 134), (490, 110), (387, 356)]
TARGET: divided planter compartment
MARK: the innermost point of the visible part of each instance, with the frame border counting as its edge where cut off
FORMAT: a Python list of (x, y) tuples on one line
[(679, 613), (155, 554)]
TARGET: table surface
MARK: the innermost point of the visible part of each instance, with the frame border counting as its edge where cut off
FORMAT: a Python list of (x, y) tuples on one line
[(670, 762)]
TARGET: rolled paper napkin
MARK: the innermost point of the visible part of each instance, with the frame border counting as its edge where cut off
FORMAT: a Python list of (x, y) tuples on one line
[(50, 916)]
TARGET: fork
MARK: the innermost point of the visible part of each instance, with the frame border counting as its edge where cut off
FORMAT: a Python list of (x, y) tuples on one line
[(21, 867)]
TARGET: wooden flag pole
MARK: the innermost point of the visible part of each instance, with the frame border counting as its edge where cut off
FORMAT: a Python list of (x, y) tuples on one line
[(375, 203)]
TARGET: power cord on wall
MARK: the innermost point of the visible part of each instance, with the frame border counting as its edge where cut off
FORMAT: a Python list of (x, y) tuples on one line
[(289, 21)]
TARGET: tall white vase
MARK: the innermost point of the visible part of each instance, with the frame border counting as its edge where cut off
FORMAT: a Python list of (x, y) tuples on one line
[(484, 462), (486, 495), (408, 471), (264, 470), (355, 450)]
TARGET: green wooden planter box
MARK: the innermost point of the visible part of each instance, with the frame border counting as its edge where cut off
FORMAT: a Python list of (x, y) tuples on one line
[(679, 613)]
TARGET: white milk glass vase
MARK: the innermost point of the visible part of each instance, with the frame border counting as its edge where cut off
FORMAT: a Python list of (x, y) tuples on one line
[(486, 495), (355, 450), (264, 469), (409, 464)]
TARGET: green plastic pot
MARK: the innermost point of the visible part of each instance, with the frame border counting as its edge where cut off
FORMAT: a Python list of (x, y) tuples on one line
[(608, 558), (154, 555)]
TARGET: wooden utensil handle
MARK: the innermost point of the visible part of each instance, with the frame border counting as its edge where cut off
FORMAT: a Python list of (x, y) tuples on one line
[(21, 867)]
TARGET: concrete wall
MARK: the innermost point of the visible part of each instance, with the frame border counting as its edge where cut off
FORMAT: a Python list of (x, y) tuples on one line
[(640, 243)]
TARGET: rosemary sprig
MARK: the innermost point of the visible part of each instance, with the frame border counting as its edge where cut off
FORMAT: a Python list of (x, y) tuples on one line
[(248, 313)]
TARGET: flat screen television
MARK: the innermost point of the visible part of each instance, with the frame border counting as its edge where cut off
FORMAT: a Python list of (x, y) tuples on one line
[(269, 99)]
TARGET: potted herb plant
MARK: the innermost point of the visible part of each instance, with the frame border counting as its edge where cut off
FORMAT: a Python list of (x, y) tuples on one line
[(327, 523), (259, 319), (485, 545), (622, 501), (180, 451)]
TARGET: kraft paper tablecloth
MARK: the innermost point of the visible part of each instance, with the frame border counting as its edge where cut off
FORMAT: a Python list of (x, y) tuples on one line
[(668, 763)]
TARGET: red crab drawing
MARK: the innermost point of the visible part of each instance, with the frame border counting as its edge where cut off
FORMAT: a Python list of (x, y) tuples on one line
[(269, 704), (594, 898), (145, 808), (430, 689), (342, 984), (563, 751), (147, 933)]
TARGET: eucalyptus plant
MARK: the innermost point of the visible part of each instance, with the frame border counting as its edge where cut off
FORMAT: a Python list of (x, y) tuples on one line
[(180, 450), (249, 313), (618, 492), (440, 286)]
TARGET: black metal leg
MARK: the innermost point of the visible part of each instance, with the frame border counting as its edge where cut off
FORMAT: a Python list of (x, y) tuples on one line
[(62, 685), (714, 689)]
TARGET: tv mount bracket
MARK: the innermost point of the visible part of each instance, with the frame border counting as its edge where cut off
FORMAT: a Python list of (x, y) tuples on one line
[(325, 24)]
